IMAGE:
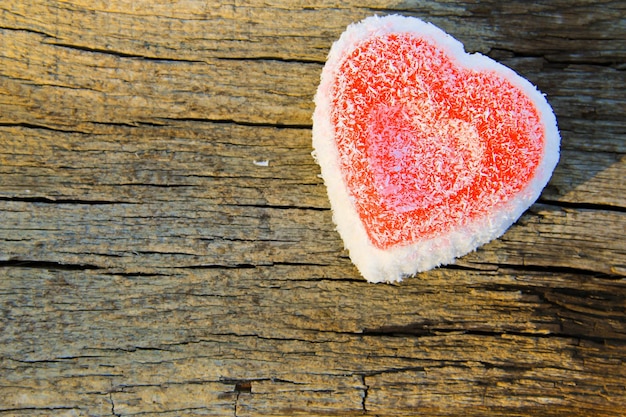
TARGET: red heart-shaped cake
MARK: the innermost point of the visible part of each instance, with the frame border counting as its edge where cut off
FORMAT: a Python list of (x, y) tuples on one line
[(427, 152)]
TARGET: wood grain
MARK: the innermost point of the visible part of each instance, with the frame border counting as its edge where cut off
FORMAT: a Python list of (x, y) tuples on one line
[(167, 246)]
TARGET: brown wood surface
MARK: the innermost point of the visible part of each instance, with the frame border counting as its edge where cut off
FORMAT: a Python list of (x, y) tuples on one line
[(149, 265)]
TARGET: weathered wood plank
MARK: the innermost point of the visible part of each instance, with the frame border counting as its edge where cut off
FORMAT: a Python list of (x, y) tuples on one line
[(219, 329), (298, 30), (167, 248), (142, 237), (220, 150), (201, 159), (207, 87)]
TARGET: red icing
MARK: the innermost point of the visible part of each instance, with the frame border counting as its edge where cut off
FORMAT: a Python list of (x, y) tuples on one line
[(426, 145)]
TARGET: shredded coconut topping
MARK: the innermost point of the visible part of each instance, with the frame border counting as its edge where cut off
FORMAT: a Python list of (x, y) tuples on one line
[(426, 145)]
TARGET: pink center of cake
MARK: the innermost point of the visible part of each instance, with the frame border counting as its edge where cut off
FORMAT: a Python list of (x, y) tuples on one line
[(427, 146)]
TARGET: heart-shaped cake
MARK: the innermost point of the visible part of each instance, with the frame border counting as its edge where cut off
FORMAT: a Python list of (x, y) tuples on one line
[(427, 151)]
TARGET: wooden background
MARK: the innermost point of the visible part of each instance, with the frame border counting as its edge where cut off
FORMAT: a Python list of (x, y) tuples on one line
[(150, 264)]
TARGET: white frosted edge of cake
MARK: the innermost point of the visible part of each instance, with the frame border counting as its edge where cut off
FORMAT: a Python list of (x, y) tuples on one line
[(391, 265)]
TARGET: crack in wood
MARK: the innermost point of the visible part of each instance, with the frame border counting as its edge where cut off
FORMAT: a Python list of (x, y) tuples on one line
[(28, 30), (112, 401), (582, 205), (241, 123), (272, 59), (49, 265), (43, 127), (54, 200), (365, 393), (120, 54)]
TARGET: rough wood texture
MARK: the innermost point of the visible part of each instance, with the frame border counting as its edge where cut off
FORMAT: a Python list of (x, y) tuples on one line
[(150, 265)]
